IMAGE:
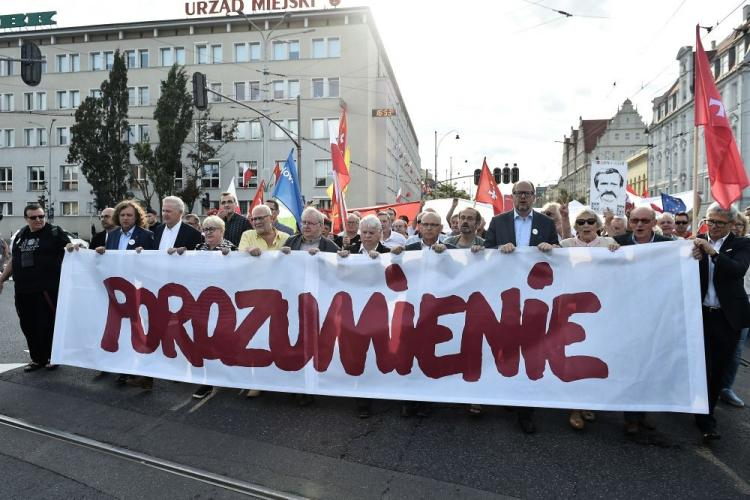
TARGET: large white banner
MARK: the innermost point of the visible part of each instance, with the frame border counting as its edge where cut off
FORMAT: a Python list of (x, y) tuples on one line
[(575, 328)]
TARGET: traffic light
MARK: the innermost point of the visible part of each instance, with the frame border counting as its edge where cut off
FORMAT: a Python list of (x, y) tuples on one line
[(200, 94), (514, 173), (497, 174), (477, 175), (506, 174), (206, 201), (31, 64)]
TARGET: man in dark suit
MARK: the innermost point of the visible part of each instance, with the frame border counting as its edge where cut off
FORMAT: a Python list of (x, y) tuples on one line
[(724, 260), (522, 227), (131, 234), (311, 237), (173, 233), (642, 221), (100, 239)]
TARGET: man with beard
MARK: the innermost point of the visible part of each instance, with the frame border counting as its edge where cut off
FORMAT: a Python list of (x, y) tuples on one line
[(468, 222), (100, 239)]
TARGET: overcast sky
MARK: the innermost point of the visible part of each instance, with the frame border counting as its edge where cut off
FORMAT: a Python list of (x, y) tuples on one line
[(512, 77)]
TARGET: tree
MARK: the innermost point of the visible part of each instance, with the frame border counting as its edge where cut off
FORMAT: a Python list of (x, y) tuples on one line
[(174, 121), (447, 190), (211, 137), (99, 138)]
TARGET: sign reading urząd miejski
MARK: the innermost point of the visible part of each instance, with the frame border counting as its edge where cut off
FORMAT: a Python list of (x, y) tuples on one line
[(205, 7)]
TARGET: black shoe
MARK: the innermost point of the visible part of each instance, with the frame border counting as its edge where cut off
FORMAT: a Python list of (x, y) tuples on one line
[(711, 435), (203, 391), (526, 424), (33, 366), (50, 366), (145, 383)]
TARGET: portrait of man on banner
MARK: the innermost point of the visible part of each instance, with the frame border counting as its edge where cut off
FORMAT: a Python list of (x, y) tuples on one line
[(608, 186)]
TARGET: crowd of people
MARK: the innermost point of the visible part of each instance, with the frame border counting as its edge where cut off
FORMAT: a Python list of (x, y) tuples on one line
[(723, 253)]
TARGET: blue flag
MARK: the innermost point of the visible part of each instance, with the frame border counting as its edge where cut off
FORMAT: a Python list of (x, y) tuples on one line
[(287, 189), (672, 204)]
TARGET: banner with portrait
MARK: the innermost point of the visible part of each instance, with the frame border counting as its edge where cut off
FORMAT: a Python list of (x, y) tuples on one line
[(574, 328), (608, 185)]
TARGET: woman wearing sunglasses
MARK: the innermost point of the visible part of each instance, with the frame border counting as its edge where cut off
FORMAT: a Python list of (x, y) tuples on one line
[(587, 226)]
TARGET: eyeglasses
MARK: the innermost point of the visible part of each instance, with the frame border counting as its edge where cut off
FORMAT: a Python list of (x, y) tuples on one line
[(105, 217), (310, 223), (590, 222), (717, 223), (635, 221), (210, 229), (35, 217), (430, 224), (681, 222), (521, 194), (258, 219)]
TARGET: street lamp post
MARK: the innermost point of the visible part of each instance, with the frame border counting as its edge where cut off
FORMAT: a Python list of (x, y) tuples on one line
[(437, 146), (48, 178)]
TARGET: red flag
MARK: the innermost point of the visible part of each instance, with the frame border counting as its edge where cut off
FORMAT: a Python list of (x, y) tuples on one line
[(257, 199), (488, 192), (726, 171), (276, 173), (247, 175)]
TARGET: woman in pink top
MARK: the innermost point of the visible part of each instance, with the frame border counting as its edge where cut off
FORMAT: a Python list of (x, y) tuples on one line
[(587, 226)]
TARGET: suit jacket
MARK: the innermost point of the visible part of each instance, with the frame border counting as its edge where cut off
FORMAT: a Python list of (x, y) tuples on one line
[(187, 236), (357, 247), (418, 246), (502, 230), (98, 240), (627, 239), (142, 238), (730, 266), (326, 245)]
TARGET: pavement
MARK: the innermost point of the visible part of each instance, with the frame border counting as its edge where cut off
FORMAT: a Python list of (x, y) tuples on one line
[(325, 451)]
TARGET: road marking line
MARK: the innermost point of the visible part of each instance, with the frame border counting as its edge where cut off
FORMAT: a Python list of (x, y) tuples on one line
[(203, 401), (182, 405), (10, 366), (740, 483)]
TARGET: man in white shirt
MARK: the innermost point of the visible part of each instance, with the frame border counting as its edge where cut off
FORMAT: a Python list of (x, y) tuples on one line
[(173, 233), (389, 237)]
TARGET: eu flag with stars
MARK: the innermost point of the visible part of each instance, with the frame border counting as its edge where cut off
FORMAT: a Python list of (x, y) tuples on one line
[(287, 189), (672, 204)]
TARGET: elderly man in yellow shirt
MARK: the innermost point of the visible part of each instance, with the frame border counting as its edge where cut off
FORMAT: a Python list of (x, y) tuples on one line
[(264, 236)]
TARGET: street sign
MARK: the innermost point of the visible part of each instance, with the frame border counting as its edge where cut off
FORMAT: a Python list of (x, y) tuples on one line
[(383, 112)]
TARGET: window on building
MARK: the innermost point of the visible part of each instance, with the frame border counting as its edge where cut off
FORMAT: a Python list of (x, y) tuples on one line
[(321, 126), (293, 126), (69, 177), (201, 54), (6, 208), (6, 179), (278, 89), (287, 49), (318, 88), (256, 132), (29, 137), (34, 101), (240, 53), (109, 60), (7, 138), (254, 51), (143, 96), (319, 48), (6, 68), (132, 97), (333, 87), (322, 168), (63, 136), (210, 175), (239, 91), (36, 178), (293, 89), (179, 55), (215, 131), (130, 59), (6, 102), (294, 49), (255, 91), (143, 58), (278, 133), (252, 166), (62, 64), (216, 87), (216, 54), (334, 47), (326, 47), (167, 58), (96, 61), (68, 208), (74, 98), (139, 175), (179, 179), (143, 133), (74, 62), (41, 136)]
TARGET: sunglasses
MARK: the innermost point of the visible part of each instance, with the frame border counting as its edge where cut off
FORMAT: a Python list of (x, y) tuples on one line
[(35, 217), (681, 223), (635, 221), (590, 222)]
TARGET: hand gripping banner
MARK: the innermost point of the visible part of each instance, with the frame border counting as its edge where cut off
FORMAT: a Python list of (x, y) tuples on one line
[(575, 328)]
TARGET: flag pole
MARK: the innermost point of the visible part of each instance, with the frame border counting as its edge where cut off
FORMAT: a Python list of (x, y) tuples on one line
[(696, 196)]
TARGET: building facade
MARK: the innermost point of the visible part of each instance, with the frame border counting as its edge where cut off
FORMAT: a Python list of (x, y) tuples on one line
[(638, 172), (328, 57), (671, 132), (616, 138)]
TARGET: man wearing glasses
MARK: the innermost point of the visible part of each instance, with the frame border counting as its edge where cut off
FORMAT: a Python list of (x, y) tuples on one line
[(724, 260), (100, 239), (38, 251), (235, 224), (681, 225), (265, 236), (522, 227), (311, 238)]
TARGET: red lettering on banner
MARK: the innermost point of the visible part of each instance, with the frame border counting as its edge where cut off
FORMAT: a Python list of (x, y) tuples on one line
[(396, 343)]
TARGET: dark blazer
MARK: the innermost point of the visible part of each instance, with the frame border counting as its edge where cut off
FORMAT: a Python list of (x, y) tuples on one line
[(627, 239), (142, 237), (98, 240), (502, 230), (326, 245), (357, 247), (730, 266), (417, 245), (187, 236)]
